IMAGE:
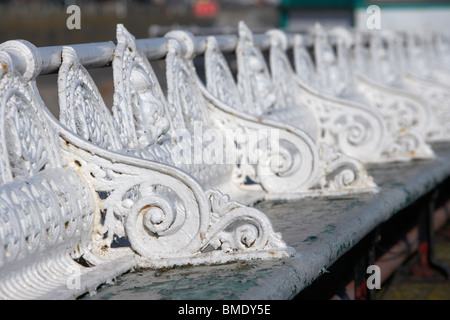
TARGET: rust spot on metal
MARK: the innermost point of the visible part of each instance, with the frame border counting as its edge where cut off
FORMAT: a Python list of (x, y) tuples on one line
[(146, 208)]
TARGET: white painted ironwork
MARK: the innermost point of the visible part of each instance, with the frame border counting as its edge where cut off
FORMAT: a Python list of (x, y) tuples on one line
[(414, 58), (397, 71), (351, 74), (407, 110), (73, 191), (98, 192), (351, 128), (162, 211), (328, 172), (439, 46), (46, 210)]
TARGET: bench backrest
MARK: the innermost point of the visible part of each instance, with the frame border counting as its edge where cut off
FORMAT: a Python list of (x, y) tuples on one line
[(426, 99), (46, 210), (257, 166), (143, 122), (405, 114), (221, 84), (73, 192), (349, 127)]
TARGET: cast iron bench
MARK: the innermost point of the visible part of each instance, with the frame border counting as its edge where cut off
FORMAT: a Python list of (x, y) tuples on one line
[(97, 193), (79, 208)]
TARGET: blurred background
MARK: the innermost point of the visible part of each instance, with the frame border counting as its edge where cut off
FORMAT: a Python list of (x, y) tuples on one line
[(43, 22)]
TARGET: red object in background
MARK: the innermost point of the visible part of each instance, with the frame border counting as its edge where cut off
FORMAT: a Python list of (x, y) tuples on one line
[(205, 9)]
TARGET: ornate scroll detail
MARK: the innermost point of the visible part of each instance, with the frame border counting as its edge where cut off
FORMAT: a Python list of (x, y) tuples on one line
[(165, 216), (401, 114), (398, 110), (139, 106), (412, 113), (352, 128), (99, 205), (81, 106), (181, 89), (415, 75), (219, 79), (418, 74), (253, 230), (156, 212), (438, 97), (46, 211), (184, 95), (26, 146), (295, 167), (343, 172), (291, 166), (359, 181), (83, 110)]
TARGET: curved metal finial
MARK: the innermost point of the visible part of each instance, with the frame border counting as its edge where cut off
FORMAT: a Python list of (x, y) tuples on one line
[(278, 38), (27, 60), (186, 40)]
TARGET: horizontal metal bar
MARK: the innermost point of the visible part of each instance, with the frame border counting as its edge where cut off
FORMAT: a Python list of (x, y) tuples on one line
[(92, 55), (100, 54)]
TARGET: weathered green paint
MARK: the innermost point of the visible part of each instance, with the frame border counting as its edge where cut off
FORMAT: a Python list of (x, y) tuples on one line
[(329, 228), (310, 239)]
